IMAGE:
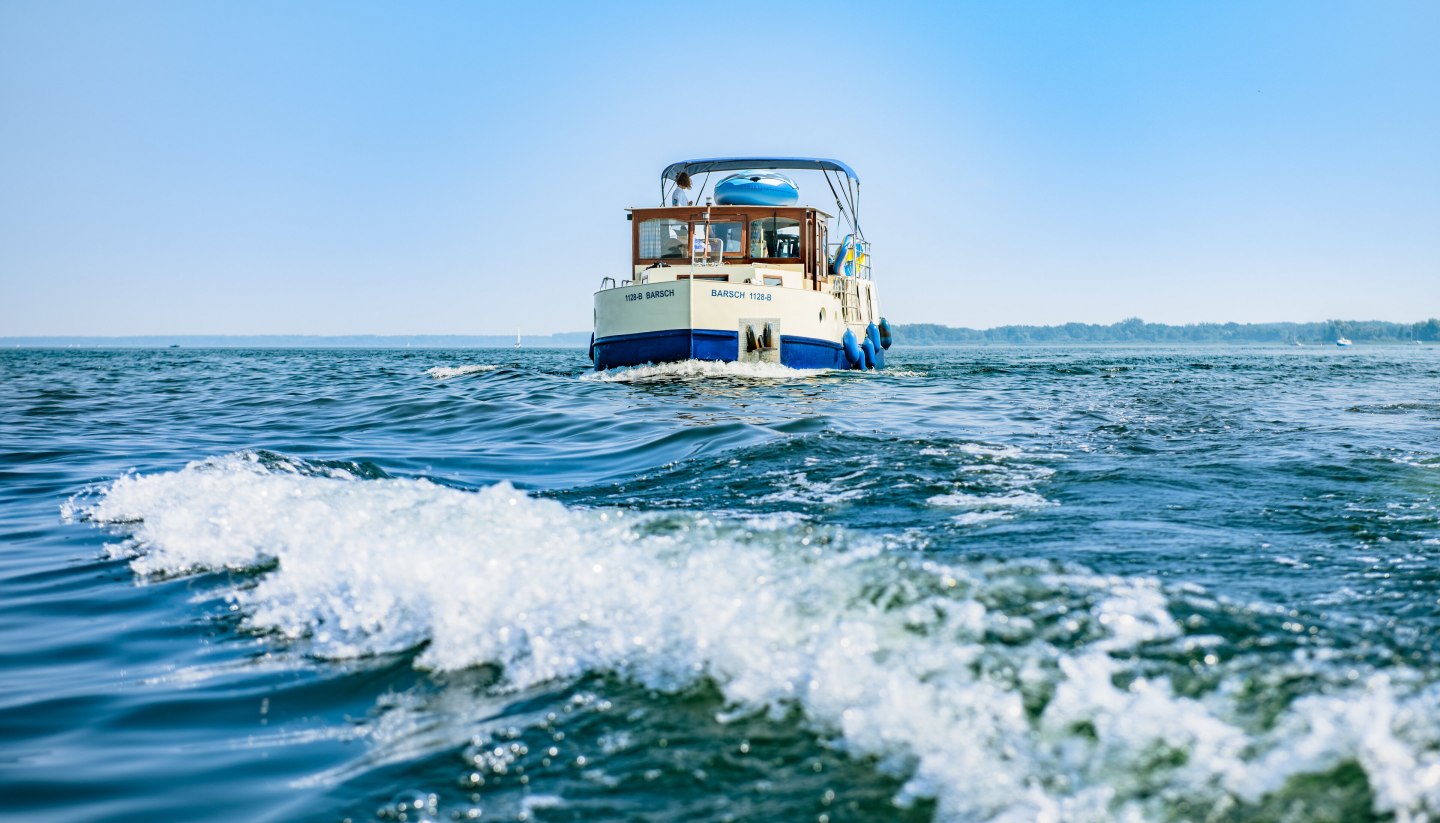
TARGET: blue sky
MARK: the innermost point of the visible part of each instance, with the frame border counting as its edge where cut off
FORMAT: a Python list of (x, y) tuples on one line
[(458, 168)]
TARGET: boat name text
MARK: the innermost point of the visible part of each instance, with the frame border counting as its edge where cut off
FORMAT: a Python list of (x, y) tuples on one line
[(650, 295), (739, 295)]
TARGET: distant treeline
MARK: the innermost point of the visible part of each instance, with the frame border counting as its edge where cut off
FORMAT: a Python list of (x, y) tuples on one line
[(1135, 330)]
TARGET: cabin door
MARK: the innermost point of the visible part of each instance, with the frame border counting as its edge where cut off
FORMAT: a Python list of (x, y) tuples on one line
[(816, 265), (809, 242)]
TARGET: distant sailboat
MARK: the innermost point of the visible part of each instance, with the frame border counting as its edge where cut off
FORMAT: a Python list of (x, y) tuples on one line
[(517, 338)]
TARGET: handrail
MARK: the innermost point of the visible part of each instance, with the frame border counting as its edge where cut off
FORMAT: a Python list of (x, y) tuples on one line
[(846, 289), (862, 250), (707, 242)]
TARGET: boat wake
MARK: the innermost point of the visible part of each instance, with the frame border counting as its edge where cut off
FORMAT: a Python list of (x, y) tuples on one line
[(700, 369), (1006, 691)]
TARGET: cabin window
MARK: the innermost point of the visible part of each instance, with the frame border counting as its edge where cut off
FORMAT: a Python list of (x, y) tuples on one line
[(775, 237), (713, 238), (664, 239)]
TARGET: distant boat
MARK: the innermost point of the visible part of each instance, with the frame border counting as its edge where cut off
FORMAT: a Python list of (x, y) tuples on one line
[(1343, 342), (517, 338)]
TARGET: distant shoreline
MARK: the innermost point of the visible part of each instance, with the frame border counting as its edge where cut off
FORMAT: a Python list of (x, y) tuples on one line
[(1137, 331), (1127, 332)]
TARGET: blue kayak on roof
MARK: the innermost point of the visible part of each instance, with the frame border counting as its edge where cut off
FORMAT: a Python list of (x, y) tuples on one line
[(756, 188)]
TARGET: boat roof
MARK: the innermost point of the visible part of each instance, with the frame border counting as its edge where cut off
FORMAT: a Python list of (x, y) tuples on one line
[(727, 209), (693, 167)]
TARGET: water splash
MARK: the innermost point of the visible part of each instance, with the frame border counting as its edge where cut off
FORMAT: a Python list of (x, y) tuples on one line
[(1006, 691), (700, 369)]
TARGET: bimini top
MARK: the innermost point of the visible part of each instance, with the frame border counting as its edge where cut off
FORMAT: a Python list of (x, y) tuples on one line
[(694, 167)]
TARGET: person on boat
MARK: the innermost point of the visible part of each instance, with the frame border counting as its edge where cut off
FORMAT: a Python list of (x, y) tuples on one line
[(682, 185), (677, 244)]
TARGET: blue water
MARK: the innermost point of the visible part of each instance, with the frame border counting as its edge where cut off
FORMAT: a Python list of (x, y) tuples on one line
[(989, 584)]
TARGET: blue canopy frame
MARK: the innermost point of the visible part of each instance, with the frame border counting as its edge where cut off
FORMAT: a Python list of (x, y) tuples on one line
[(850, 188), (694, 167)]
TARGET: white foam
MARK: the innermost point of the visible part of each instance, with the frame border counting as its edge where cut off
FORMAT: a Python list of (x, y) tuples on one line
[(990, 465), (991, 451), (447, 372), (700, 369), (1008, 501), (797, 487), (977, 518), (892, 657), (983, 450)]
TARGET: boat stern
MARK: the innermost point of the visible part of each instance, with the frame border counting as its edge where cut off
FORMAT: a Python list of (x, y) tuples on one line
[(694, 319)]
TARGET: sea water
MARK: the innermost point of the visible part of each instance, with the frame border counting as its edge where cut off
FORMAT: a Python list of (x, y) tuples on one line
[(987, 584)]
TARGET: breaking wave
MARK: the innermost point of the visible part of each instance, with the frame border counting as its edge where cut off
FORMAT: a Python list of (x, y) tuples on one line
[(1006, 691)]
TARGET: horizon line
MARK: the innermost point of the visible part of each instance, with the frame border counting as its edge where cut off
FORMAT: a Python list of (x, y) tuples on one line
[(6, 339)]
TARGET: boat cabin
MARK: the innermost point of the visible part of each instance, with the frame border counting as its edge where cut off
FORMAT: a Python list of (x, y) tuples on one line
[(764, 245)]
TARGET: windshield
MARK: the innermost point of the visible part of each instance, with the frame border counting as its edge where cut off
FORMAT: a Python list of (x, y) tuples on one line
[(775, 237)]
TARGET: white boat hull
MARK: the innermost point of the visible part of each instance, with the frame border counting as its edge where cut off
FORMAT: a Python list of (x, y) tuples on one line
[(677, 320)]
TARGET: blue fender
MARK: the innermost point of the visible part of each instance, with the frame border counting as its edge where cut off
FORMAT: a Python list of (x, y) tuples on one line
[(852, 349), (869, 349), (886, 336), (592, 347), (872, 336)]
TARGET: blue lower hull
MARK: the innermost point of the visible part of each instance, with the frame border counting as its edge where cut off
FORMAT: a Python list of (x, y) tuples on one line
[(673, 345)]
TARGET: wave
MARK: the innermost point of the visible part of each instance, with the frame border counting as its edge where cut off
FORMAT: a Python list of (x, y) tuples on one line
[(1006, 691), (447, 372), (700, 369)]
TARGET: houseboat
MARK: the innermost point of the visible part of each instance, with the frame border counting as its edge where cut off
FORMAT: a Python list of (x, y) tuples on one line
[(743, 272)]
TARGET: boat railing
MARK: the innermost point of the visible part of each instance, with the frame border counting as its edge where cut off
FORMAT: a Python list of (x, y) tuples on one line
[(836, 249), (701, 248), (607, 283), (847, 291)]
